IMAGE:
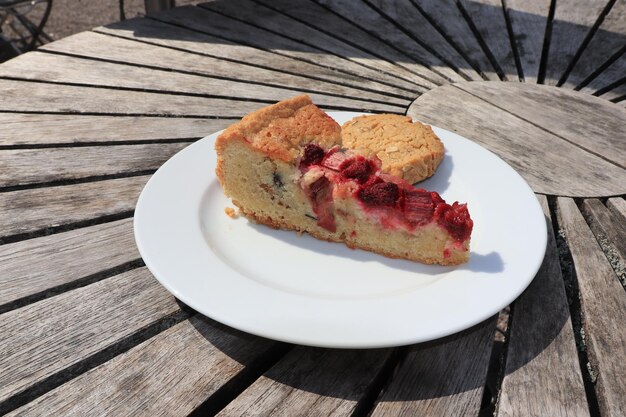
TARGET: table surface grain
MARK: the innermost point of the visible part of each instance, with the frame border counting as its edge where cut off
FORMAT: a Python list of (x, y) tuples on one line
[(84, 121)]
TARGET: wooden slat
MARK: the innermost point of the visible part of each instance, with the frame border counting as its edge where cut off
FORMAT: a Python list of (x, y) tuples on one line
[(382, 28), (170, 374), (527, 148), (572, 22), (101, 46), (603, 303), (322, 19), (28, 166), (413, 22), (607, 78), (609, 227), (541, 338), (65, 69), (198, 41), (48, 336), (20, 96), (591, 123), (36, 265), (448, 17), (31, 129), (488, 18), (264, 17), (311, 382), (618, 206), (608, 40), (30, 210), (444, 378), (213, 23), (528, 23)]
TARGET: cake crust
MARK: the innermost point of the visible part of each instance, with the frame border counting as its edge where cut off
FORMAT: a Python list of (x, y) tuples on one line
[(282, 129), (409, 150)]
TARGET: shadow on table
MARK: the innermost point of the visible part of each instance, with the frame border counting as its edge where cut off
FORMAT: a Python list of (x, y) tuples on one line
[(448, 366), (305, 31)]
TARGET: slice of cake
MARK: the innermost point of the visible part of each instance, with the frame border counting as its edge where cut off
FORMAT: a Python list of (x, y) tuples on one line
[(283, 166), (407, 149)]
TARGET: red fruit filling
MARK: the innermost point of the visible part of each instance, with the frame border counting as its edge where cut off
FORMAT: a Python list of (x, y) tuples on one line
[(409, 206), (320, 193), (313, 155), (379, 194), (358, 169)]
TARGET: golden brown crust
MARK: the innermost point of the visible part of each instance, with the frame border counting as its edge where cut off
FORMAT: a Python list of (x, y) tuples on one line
[(407, 149), (282, 129)]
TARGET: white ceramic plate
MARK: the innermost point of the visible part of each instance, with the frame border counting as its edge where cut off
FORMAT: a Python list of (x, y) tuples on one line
[(301, 290)]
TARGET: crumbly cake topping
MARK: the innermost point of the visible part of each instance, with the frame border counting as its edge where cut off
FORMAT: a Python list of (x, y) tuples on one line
[(282, 130), (407, 149)]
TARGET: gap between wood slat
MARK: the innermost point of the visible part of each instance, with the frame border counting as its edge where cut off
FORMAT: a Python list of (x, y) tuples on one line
[(382, 40), (92, 143), (570, 281), (600, 70), (509, 29), (419, 42), (69, 113), (473, 65), (65, 227), (59, 378), (332, 81), (585, 42), (483, 45), (295, 90), (81, 282), (290, 56), (545, 50), (610, 87), (347, 41), (73, 181)]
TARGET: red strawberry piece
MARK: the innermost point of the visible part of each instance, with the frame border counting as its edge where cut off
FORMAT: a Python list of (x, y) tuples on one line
[(313, 155), (457, 221), (358, 169), (380, 194)]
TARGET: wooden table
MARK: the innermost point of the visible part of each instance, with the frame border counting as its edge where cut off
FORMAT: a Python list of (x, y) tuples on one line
[(85, 328)]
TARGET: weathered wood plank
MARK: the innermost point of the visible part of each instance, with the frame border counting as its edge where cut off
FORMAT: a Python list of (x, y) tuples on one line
[(199, 18), (591, 123), (488, 18), (20, 96), (528, 23), (29, 166), (603, 303), (527, 148), (101, 46), (542, 338), (611, 76), (26, 211), (609, 227), (448, 17), (267, 18), (608, 40), (170, 374), (379, 26), (572, 22), (46, 337), (197, 40), (36, 129), (442, 378), (36, 265), (618, 206), (322, 19), (39, 66), (311, 382), (409, 18)]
